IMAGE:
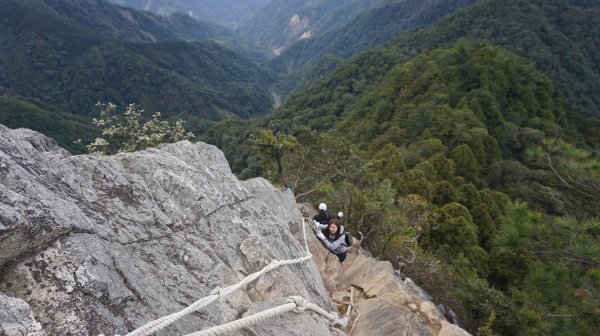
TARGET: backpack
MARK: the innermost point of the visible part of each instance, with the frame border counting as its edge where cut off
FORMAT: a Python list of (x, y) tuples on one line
[(348, 238)]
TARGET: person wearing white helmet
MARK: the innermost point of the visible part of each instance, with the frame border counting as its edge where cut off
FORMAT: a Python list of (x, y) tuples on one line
[(323, 217)]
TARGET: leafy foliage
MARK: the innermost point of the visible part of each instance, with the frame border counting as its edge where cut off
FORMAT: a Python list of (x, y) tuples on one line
[(274, 145), (127, 133), (561, 258), (576, 168)]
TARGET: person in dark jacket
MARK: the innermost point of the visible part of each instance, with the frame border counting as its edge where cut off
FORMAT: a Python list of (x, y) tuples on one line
[(334, 239), (323, 217)]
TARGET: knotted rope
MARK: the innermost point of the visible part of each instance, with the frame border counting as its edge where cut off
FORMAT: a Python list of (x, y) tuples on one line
[(295, 304), (161, 323)]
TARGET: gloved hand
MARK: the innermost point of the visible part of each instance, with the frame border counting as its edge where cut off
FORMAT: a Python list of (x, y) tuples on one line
[(316, 225), (320, 235)]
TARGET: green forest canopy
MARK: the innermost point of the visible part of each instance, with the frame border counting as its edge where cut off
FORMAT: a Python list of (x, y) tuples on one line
[(457, 133)]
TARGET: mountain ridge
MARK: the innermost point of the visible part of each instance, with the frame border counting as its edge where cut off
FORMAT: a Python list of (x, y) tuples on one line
[(371, 28), (482, 22), (280, 23), (59, 63), (230, 13), (132, 25)]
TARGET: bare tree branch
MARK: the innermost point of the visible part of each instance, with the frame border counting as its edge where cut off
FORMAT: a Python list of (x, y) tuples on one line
[(581, 259), (315, 188), (563, 180), (405, 245)]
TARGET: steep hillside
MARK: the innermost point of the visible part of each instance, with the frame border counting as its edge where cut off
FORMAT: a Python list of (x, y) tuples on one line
[(280, 23), (372, 28), (133, 25), (560, 39), (504, 97), (105, 244), (65, 128), (460, 164), (69, 68), (229, 13), (482, 97), (116, 245)]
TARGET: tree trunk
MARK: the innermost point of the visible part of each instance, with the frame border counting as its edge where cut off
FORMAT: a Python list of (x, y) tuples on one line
[(280, 169)]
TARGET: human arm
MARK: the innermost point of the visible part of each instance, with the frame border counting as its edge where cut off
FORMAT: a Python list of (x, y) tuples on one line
[(335, 245)]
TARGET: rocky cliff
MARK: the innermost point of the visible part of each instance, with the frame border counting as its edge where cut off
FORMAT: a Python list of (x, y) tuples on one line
[(96, 244)]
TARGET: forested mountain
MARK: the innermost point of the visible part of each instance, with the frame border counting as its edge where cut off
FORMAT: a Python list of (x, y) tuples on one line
[(560, 39), (466, 151), (133, 25), (453, 146), (65, 128), (451, 123), (371, 28), (229, 13), (475, 155), (138, 26), (61, 64), (280, 23)]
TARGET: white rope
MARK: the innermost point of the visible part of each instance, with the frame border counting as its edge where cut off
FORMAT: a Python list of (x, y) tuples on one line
[(293, 303), (246, 321), (161, 323)]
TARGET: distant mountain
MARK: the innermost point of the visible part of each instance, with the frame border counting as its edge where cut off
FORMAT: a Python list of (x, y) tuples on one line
[(372, 28), (229, 13), (133, 25), (281, 23), (138, 26), (52, 59), (560, 39)]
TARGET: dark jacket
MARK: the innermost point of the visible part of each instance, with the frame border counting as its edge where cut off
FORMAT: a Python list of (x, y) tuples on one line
[(323, 217)]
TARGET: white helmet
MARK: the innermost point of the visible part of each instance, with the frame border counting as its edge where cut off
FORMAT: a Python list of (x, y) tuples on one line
[(323, 206), (340, 214)]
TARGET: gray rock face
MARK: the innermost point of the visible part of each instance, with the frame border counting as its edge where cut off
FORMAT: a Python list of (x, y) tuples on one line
[(16, 318), (98, 244), (391, 302)]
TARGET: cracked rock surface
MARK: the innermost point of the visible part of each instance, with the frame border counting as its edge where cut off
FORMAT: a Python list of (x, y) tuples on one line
[(386, 303), (16, 318), (104, 244)]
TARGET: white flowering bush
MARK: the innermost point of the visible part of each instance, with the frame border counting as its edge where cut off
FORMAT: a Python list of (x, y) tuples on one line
[(127, 132)]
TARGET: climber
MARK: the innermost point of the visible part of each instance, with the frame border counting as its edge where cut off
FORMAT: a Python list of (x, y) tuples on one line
[(323, 216), (334, 239)]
